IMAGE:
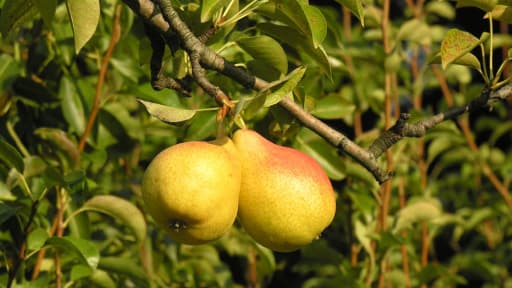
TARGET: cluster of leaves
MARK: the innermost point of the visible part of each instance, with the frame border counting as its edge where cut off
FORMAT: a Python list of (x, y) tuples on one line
[(74, 217)]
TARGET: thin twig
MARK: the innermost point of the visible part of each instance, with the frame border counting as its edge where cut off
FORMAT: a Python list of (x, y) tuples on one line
[(116, 33)]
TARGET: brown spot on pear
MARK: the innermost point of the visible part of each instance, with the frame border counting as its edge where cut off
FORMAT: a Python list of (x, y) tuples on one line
[(286, 199), (191, 190)]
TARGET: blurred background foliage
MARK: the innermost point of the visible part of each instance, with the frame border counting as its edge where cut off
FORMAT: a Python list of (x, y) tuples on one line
[(447, 226)]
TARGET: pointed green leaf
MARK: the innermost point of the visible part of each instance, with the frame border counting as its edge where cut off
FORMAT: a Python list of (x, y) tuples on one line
[(356, 7), (317, 24), (84, 16), (166, 113), (417, 211), (10, 156), (120, 209), (15, 13), (71, 105), (267, 50), (287, 88), (456, 44), (37, 238), (47, 10), (84, 249)]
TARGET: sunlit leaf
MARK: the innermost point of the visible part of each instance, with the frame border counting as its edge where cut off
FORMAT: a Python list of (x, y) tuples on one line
[(441, 9), (414, 30), (120, 209), (456, 44), (84, 16), (417, 211), (168, 114)]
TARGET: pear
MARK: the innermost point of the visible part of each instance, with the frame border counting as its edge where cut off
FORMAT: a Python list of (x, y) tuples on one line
[(191, 190), (286, 199)]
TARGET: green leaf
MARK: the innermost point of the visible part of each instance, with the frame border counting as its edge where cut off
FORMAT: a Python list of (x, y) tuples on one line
[(296, 40), (267, 50), (356, 7), (420, 210), (292, 13), (84, 249), (37, 238), (166, 113), (485, 5), (10, 156), (6, 212), (47, 10), (441, 9), (71, 105), (456, 44), (363, 236), (84, 16), (15, 13), (124, 266), (286, 89), (333, 107), (317, 23), (80, 271), (324, 153), (414, 30), (120, 209)]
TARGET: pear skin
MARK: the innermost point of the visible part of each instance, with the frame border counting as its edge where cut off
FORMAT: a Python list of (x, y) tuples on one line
[(191, 190), (286, 199)]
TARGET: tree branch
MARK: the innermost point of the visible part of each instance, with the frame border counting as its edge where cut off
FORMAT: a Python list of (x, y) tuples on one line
[(201, 56)]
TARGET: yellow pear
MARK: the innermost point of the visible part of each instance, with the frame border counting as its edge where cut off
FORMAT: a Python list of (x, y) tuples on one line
[(191, 190), (286, 199)]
